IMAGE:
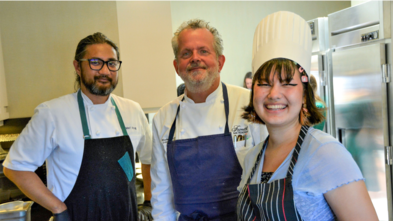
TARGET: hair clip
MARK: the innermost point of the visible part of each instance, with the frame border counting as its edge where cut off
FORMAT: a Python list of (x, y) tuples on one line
[(304, 79), (301, 70)]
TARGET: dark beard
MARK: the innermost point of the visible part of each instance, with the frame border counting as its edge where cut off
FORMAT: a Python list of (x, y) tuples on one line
[(94, 89)]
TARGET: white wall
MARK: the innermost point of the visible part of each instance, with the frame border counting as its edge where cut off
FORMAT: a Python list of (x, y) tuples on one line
[(145, 36), (236, 22), (353, 3)]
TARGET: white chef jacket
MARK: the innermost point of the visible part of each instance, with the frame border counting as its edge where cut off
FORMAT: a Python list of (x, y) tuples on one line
[(194, 120), (322, 165), (55, 134)]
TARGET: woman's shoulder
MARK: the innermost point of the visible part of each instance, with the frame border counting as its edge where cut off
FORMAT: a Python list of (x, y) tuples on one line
[(324, 164), (316, 139)]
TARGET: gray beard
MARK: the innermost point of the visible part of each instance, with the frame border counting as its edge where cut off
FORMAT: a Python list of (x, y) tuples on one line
[(100, 92), (201, 86)]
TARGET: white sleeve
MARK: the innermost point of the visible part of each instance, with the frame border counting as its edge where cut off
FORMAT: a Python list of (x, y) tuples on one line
[(161, 185), (144, 147), (34, 144)]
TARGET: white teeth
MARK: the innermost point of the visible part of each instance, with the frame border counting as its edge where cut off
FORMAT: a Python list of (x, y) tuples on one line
[(275, 106)]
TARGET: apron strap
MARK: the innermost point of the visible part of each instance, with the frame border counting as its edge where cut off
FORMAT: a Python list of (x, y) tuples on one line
[(226, 104), (295, 154), (258, 160), (119, 118), (82, 112)]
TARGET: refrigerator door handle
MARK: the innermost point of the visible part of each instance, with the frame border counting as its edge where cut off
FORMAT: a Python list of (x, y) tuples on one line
[(385, 73), (341, 136), (322, 71), (388, 155)]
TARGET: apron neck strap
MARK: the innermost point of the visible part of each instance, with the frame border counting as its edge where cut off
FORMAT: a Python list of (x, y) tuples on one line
[(119, 118), (226, 105), (295, 154), (82, 112)]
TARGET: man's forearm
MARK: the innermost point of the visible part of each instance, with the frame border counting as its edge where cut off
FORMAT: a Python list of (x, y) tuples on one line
[(32, 186), (146, 181)]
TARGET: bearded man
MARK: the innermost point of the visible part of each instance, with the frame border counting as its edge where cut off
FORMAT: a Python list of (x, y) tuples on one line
[(200, 139), (88, 140)]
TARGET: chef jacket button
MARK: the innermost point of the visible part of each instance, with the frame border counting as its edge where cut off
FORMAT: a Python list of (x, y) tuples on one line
[(97, 132), (92, 108), (113, 107), (222, 101), (220, 126), (182, 131), (117, 132)]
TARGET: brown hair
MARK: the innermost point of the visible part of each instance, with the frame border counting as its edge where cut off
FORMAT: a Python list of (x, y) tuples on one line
[(248, 75), (314, 86), (96, 38), (288, 67)]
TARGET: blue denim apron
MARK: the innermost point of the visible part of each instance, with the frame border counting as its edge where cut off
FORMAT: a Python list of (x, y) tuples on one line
[(105, 187), (205, 173)]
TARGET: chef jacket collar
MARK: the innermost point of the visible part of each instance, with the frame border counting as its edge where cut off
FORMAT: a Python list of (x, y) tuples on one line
[(87, 100), (211, 97)]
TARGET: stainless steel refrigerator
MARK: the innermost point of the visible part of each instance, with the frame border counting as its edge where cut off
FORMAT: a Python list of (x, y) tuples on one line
[(360, 41), (321, 68)]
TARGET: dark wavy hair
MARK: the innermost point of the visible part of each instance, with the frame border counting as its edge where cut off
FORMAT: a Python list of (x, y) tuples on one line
[(287, 67)]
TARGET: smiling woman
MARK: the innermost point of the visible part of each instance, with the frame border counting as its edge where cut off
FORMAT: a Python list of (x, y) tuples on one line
[(298, 173), (281, 77)]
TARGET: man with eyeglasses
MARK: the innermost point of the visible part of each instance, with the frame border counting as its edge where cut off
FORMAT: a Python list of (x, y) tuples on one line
[(200, 139), (88, 139)]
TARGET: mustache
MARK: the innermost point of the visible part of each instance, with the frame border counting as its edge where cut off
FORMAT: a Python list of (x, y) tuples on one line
[(195, 65), (105, 77)]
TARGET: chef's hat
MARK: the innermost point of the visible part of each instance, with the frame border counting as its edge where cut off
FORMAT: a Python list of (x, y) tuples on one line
[(282, 35)]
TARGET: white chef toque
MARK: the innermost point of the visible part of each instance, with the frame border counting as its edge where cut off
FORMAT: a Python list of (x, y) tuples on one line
[(282, 35)]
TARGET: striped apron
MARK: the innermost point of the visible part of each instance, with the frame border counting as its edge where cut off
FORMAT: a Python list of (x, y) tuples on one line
[(270, 201)]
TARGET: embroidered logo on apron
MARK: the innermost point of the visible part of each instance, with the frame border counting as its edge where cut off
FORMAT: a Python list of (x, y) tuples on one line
[(239, 134)]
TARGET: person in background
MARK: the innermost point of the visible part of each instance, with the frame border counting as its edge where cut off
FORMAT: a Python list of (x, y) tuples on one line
[(199, 139), (318, 102), (247, 82), (180, 89), (88, 140), (298, 173)]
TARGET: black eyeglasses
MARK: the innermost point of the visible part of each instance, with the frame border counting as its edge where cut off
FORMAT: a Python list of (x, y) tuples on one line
[(97, 64)]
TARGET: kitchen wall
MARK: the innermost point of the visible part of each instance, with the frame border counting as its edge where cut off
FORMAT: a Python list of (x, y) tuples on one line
[(39, 41), (236, 22)]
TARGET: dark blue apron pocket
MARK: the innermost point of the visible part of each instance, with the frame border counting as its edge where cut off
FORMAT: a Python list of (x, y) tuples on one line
[(125, 163)]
